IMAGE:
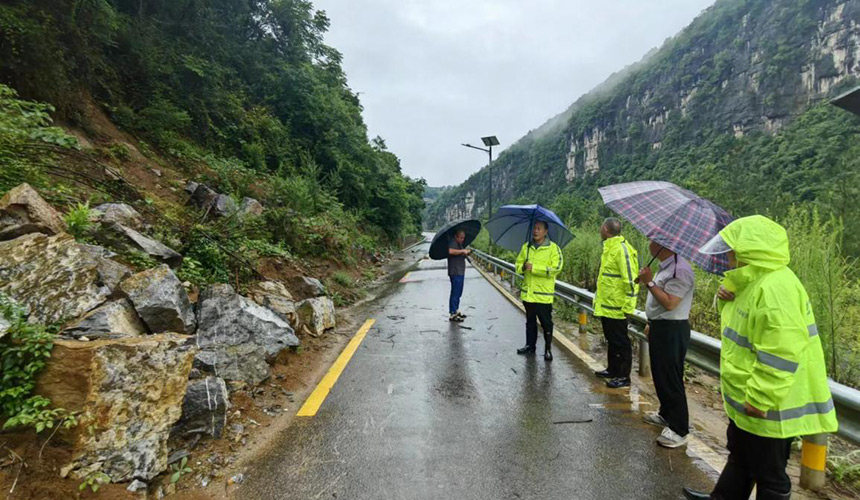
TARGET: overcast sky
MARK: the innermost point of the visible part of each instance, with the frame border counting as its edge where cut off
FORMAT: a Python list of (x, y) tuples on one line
[(433, 74)]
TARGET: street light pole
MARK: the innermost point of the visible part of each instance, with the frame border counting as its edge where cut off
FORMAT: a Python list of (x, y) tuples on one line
[(489, 141)]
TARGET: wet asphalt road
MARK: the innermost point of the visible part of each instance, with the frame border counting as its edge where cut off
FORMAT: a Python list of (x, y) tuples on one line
[(428, 410)]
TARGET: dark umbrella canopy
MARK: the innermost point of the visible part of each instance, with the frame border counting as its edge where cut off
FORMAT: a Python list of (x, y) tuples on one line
[(675, 218), (439, 245), (512, 226), (849, 101)]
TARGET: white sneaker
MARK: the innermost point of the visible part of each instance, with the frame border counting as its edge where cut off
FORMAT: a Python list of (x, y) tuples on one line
[(669, 439), (654, 418)]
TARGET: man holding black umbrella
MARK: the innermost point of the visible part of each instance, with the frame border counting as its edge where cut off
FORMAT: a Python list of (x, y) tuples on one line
[(457, 254)]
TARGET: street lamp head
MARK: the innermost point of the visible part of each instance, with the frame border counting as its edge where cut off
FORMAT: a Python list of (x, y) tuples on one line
[(490, 141)]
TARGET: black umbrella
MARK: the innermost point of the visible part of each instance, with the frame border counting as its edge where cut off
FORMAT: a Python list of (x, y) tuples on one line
[(439, 246)]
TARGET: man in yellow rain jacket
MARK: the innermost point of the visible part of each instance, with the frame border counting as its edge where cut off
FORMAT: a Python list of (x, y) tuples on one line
[(540, 261), (772, 371), (615, 299)]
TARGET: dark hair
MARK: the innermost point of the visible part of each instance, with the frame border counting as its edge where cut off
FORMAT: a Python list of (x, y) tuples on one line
[(545, 225), (612, 225)]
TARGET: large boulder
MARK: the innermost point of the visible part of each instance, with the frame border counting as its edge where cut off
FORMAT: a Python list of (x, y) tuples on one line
[(304, 287), (128, 393), (204, 410), (250, 207), (160, 300), (54, 277), (275, 296), (119, 213), (23, 211), (232, 326), (114, 319), (316, 315), (121, 237), (212, 202)]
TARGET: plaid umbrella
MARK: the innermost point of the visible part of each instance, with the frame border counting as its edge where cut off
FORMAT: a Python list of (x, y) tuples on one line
[(673, 217)]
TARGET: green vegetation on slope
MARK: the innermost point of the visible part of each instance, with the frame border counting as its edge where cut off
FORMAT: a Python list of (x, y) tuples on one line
[(250, 82)]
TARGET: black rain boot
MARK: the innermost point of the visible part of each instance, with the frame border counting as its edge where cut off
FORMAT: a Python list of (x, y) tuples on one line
[(547, 354), (527, 349), (766, 494)]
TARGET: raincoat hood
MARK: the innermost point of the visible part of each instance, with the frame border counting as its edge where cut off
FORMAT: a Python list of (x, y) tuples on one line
[(758, 241)]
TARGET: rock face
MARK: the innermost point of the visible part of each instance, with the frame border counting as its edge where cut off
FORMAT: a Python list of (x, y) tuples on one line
[(56, 278), (304, 287), (250, 206), (160, 300), (236, 336), (316, 315), (119, 213), (119, 236), (204, 409), (223, 205), (115, 319), (129, 393), (275, 296), (23, 211)]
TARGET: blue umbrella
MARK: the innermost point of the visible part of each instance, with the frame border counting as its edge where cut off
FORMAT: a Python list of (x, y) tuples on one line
[(512, 226)]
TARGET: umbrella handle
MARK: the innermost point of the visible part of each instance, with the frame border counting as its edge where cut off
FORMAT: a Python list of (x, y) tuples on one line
[(650, 262)]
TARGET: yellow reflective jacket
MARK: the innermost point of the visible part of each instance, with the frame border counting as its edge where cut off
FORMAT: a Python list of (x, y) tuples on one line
[(547, 261), (616, 290), (771, 352)]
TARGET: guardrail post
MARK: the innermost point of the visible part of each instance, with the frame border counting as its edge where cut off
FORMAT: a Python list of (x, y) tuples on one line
[(513, 280), (813, 462), (583, 321), (644, 359)]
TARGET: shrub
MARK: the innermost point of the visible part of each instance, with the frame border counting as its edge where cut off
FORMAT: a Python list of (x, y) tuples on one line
[(78, 220)]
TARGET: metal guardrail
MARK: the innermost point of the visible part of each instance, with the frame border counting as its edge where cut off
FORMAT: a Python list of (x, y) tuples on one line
[(703, 352)]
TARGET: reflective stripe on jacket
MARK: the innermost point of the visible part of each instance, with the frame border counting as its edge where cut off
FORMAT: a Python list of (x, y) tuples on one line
[(547, 261), (771, 352), (616, 290)]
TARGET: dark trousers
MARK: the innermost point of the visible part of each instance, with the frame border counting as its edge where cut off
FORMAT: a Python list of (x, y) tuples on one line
[(754, 460), (620, 357), (456, 293), (668, 348), (535, 312)]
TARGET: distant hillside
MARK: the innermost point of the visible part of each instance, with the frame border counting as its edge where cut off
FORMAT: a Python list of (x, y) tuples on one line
[(733, 107)]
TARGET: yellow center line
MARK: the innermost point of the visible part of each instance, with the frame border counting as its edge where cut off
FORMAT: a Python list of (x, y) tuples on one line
[(313, 403)]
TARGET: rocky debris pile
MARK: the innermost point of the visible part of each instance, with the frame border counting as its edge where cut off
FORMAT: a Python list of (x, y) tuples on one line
[(219, 204), (134, 355)]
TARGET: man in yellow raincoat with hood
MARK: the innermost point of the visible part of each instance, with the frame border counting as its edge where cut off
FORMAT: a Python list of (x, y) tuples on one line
[(772, 372)]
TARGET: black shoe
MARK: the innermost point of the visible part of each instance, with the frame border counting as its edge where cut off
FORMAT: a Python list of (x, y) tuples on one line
[(526, 349), (618, 382), (603, 374), (695, 495), (547, 354)]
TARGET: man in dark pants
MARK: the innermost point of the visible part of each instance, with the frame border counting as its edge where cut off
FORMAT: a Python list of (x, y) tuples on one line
[(457, 274), (670, 297), (614, 300), (540, 261), (773, 376)]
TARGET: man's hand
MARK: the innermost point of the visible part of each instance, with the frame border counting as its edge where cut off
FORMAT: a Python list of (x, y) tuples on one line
[(753, 411), (645, 275), (468, 252), (527, 266), (648, 331), (724, 294)]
